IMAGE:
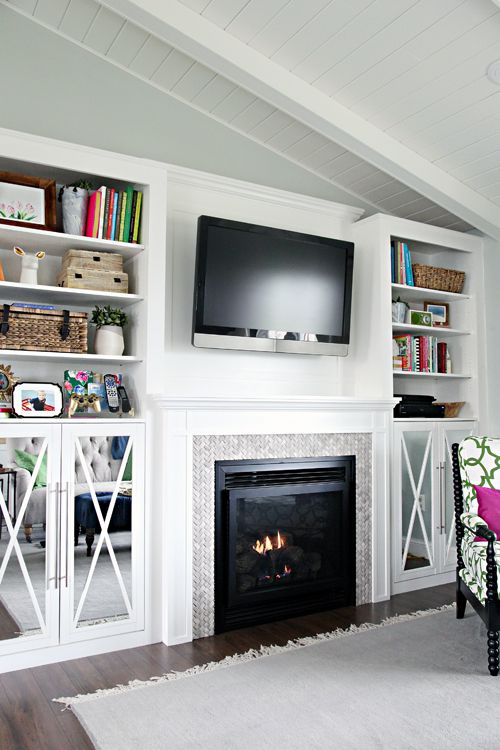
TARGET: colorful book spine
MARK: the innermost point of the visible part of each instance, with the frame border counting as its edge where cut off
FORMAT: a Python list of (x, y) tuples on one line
[(116, 200), (102, 191), (393, 264), (93, 211), (132, 216), (128, 214), (111, 208), (119, 204), (408, 268), (137, 220), (122, 216)]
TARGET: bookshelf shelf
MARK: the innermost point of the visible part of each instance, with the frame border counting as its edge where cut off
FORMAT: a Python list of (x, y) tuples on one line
[(438, 375), (28, 356), (420, 293), (14, 292), (56, 243), (428, 330)]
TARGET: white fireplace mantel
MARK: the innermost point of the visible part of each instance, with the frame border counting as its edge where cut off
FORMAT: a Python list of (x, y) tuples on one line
[(180, 419)]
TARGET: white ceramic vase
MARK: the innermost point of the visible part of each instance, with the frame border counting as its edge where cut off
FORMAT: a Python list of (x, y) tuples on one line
[(74, 209), (109, 340)]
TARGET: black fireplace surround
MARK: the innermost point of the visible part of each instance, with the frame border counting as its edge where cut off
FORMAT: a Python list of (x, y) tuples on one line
[(284, 538)]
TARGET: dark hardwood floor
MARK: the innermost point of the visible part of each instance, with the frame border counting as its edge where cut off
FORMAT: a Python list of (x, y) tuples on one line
[(29, 720)]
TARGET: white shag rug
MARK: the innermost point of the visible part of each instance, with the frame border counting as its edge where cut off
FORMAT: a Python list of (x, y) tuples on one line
[(418, 682)]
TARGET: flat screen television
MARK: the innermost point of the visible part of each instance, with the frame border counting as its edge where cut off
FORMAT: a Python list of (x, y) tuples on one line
[(270, 289)]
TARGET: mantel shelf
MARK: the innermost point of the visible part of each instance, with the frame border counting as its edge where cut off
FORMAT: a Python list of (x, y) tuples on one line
[(15, 292), (22, 354), (421, 293), (56, 243), (438, 331)]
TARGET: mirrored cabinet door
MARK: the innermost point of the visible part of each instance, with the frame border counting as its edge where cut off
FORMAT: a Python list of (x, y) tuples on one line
[(103, 514), (29, 531)]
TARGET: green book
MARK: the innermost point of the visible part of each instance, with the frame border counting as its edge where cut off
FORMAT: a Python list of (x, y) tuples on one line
[(128, 213)]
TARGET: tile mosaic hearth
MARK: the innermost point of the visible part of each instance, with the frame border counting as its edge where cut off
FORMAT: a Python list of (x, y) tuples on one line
[(207, 449)]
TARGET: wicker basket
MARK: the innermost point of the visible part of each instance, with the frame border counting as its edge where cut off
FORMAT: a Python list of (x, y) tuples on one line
[(100, 280), (444, 279), (451, 408), (92, 260), (38, 330)]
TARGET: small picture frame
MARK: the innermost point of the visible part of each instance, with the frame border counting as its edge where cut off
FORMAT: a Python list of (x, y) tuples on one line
[(37, 400), (420, 318), (440, 313), (27, 201)]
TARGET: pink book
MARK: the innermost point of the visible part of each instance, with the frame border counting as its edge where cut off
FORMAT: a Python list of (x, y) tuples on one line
[(89, 229)]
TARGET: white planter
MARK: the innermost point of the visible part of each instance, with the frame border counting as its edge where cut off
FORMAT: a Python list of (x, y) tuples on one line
[(109, 340), (74, 210)]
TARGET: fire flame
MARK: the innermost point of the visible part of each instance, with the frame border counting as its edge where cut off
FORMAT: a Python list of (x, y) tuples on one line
[(267, 544)]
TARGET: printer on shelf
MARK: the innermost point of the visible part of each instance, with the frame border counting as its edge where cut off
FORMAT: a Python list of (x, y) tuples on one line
[(417, 407)]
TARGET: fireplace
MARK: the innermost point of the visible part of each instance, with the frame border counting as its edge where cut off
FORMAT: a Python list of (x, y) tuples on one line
[(284, 538)]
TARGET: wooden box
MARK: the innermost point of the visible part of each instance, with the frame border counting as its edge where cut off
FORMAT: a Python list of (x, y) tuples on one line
[(92, 260), (97, 280), (35, 329)]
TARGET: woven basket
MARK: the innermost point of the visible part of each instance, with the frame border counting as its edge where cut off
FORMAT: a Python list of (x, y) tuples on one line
[(38, 330), (451, 408), (92, 260), (444, 279), (100, 280)]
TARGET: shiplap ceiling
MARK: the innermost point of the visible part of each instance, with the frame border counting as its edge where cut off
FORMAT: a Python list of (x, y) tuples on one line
[(414, 70)]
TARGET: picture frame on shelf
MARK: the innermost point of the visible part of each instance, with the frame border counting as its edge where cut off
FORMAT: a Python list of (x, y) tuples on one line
[(420, 318), (440, 313), (37, 400), (27, 201)]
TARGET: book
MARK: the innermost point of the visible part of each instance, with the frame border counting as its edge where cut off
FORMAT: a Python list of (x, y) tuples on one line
[(128, 214), (122, 216), (111, 207), (441, 356), (94, 207), (132, 216), (408, 268), (119, 204), (137, 220), (404, 344), (102, 191), (393, 264), (106, 214), (116, 200)]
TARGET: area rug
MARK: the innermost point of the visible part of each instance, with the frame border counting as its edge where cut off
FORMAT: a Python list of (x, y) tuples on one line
[(417, 682)]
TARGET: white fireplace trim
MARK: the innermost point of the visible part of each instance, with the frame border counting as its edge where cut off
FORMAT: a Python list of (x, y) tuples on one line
[(180, 419)]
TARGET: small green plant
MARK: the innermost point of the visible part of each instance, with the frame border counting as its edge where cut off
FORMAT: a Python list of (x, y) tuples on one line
[(83, 184), (108, 316)]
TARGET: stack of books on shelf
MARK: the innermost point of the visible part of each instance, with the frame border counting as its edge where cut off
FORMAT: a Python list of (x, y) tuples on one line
[(401, 270), (114, 214), (421, 354)]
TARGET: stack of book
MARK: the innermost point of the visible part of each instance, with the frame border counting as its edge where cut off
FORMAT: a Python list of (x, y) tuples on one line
[(421, 354), (401, 270), (114, 214)]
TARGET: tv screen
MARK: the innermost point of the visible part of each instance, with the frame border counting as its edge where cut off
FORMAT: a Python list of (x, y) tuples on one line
[(271, 289)]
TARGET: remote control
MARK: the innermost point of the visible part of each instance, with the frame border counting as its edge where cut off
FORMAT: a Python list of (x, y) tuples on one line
[(122, 393), (111, 393)]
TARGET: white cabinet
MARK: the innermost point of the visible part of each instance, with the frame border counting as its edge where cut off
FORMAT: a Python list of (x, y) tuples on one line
[(423, 534), (76, 491)]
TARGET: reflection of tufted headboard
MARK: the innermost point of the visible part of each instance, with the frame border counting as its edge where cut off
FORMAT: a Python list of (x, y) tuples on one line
[(96, 450)]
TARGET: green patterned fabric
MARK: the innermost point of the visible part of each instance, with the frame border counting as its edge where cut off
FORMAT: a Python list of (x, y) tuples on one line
[(479, 459)]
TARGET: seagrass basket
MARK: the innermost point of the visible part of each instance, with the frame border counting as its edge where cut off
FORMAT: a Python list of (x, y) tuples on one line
[(444, 279), (39, 330)]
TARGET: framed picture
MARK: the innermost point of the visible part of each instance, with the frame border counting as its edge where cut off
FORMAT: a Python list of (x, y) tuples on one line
[(27, 201), (420, 317), (440, 313), (36, 400)]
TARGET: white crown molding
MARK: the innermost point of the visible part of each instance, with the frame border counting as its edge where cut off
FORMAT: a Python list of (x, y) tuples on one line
[(273, 403), (240, 188)]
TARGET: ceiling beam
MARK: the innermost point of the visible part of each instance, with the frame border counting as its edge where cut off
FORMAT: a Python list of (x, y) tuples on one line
[(188, 31)]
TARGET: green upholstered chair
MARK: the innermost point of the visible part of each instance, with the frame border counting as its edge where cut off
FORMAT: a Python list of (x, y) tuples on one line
[(476, 461)]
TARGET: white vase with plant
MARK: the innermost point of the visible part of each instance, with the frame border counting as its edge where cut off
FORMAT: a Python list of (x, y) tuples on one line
[(109, 322), (74, 199)]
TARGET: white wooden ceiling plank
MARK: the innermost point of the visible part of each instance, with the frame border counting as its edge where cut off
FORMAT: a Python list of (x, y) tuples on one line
[(317, 30), (127, 44), (339, 164), (476, 167), (473, 152), (172, 69), (222, 12), (27, 6), (213, 93), (323, 155), (458, 225), (232, 105), (149, 58), (103, 30), (484, 181), (441, 107), (197, 5), (255, 113), (388, 190), (195, 80), (442, 46), (288, 136), (50, 12), (373, 182), (271, 125), (427, 214), (460, 139), (306, 146), (350, 37), (410, 206), (285, 24), (354, 174), (253, 17), (78, 17), (444, 85)]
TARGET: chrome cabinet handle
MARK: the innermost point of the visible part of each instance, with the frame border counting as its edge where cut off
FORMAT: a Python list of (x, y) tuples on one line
[(58, 532), (442, 493), (67, 540), (51, 491)]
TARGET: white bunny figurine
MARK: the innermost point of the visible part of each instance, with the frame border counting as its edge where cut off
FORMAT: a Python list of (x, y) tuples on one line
[(29, 267)]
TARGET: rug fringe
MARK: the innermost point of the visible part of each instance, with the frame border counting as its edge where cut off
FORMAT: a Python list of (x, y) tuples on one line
[(250, 655)]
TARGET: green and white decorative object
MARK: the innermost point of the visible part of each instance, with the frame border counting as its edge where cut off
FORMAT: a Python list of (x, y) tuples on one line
[(420, 318), (74, 199), (109, 322)]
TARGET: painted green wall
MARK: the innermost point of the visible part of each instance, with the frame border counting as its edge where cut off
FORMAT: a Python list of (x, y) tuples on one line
[(54, 88)]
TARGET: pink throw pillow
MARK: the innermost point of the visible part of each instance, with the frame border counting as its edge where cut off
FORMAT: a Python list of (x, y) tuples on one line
[(488, 507)]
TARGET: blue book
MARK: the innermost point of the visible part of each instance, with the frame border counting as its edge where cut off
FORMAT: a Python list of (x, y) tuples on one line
[(393, 265), (408, 268), (115, 212)]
